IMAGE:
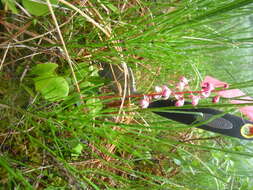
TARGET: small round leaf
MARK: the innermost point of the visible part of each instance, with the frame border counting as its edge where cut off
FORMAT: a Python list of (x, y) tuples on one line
[(52, 87), (44, 69)]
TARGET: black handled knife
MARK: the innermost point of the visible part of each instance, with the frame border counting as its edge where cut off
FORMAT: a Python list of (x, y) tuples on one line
[(213, 120), (225, 124)]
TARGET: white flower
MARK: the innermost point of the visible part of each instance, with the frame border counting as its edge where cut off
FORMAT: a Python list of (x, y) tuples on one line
[(144, 103), (158, 89), (166, 92)]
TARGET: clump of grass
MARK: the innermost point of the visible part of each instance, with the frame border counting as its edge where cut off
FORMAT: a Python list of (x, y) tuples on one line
[(82, 144)]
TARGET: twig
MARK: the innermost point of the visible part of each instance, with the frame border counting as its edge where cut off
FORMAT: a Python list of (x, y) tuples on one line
[(21, 58), (5, 53), (64, 46), (23, 9), (41, 35), (24, 73), (10, 25)]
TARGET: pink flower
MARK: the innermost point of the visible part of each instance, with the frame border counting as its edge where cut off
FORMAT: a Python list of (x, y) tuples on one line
[(207, 87), (180, 102), (216, 99), (166, 92), (144, 103), (233, 93), (248, 111), (163, 91), (184, 80), (215, 82), (195, 100)]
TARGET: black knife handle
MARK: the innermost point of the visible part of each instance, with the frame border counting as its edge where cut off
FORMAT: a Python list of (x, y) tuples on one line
[(226, 124)]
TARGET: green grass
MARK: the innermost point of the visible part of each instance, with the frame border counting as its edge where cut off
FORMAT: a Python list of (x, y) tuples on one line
[(82, 144)]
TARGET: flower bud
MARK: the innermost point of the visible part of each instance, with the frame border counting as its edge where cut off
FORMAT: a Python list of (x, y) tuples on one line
[(184, 80), (216, 99), (208, 87), (195, 100), (158, 89), (180, 86), (166, 92), (180, 102), (144, 103), (226, 86)]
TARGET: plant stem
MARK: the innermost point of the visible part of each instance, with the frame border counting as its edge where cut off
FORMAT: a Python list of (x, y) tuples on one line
[(154, 94)]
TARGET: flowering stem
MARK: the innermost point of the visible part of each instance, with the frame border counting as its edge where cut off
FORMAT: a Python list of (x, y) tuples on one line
[(131, 96), (194, 92), (154, 94)]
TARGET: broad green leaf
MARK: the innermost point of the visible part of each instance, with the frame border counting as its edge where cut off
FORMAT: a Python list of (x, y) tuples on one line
[(52, 87), (37, 7), (44, 69)]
